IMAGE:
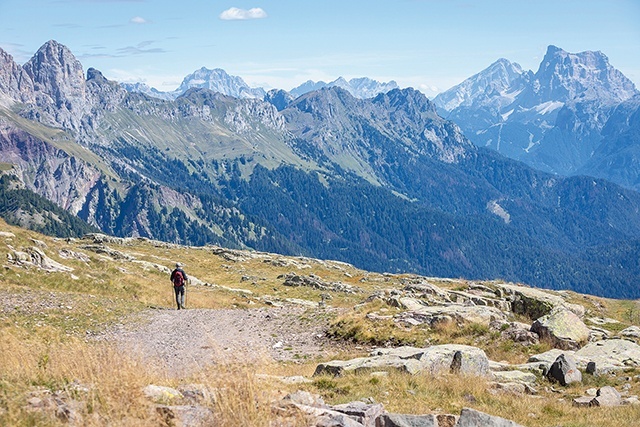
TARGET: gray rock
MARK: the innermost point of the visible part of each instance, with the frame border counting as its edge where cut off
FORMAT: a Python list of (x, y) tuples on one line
[(185, 416), (35, 257), (631, 332), (364, 413), (607, 396), (511, 376), (434, 315), (439, 358), (582, 402), (472, 418), (563, 328), (565, 371), (520, 333), (433, 360), (404, 420), (610, 355)]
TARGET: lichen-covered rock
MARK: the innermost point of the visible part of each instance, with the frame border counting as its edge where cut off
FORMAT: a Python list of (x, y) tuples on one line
[(463, 359), (563, 328), (611, 354)]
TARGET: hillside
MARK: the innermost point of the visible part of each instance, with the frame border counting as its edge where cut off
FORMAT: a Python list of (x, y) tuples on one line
[(384, 183), (259, 324)]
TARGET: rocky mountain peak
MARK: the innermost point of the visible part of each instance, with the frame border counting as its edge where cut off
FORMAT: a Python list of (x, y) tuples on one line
[(563, 76), (59, 84), (503, 78), (218, 80)]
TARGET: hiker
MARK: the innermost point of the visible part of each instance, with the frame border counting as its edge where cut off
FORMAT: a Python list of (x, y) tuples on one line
[(179, 280)]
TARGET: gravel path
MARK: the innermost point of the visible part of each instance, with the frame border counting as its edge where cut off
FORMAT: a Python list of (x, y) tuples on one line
[(203, 337)]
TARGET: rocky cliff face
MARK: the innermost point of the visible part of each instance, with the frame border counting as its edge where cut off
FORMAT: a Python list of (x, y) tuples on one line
[(49, 171)]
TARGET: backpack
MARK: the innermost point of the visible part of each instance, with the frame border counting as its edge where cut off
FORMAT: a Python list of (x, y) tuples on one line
[(178, 278)]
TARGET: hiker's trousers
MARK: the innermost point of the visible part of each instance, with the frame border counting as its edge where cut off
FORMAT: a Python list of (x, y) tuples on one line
[(179, 290)]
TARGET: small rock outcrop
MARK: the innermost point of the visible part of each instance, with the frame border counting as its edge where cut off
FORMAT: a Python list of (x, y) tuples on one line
[(360, 414), (462, 359)]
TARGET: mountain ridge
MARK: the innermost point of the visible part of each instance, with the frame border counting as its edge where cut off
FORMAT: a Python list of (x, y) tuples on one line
[(553, 119)]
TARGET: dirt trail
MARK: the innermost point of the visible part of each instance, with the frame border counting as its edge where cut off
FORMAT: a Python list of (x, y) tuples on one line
[(202, 337)]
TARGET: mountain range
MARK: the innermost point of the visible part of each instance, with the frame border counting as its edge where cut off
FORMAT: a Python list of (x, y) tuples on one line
[(382, 182), (571, 117), (218, 80)]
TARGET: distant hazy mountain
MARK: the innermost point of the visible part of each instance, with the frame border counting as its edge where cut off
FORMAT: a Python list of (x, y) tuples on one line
[(216, 80), (552, 119), (363, 87), (384, 182), (147, 90)]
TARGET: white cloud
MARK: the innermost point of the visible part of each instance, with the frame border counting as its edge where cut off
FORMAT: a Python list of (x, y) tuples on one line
[(138, 20), (235, 14)]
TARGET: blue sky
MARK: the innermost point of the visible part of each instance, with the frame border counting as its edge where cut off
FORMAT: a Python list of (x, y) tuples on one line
[(427, 44)]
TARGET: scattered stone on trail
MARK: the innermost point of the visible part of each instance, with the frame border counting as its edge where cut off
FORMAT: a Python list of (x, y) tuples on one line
[(564, 370), (433, 360), (35, 257), (563, 327), (315, 282)]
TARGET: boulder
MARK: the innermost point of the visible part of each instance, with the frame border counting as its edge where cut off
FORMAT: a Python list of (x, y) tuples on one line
[(440, 358), (564, 370), (563, 328), (472, 418), (607, 396), (405, 420)]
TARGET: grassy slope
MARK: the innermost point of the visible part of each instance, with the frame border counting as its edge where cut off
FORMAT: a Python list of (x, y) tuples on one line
[(45, 319)]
